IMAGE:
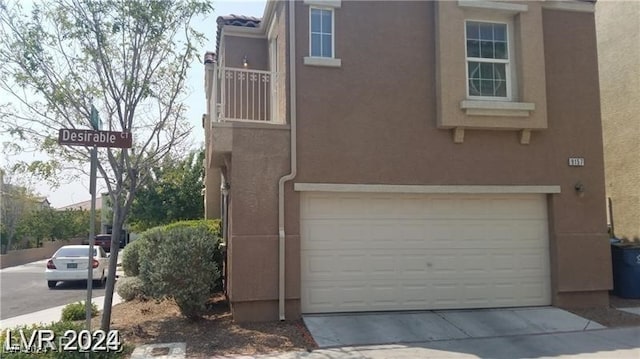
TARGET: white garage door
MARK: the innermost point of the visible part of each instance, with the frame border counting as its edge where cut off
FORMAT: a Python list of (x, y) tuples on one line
[(370, 252)]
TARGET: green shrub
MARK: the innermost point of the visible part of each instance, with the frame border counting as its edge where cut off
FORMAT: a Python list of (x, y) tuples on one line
[(153, 236), (77, 311), (130, 288), (212, 225), (180, 262), (213, 228), (131, 258), (59, 329)]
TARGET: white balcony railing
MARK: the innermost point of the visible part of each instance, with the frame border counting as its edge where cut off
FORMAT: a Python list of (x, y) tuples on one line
[(246, 95)]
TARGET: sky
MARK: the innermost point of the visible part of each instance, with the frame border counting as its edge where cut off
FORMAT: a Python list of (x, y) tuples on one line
[(78, 190)]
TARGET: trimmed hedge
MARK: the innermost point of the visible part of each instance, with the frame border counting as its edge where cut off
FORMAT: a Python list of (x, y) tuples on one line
[(182, 261), (153, 236), (213, 227)]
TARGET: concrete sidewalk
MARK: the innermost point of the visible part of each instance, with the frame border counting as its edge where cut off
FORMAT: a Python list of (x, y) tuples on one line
[(49, 315), (619, 343)]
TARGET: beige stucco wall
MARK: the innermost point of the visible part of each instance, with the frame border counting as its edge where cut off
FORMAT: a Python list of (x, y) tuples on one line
[(618, 25), (254, 157), (281, 32), (237, 47), (260, 157), (212, 183), (212, 198), (374, 121)]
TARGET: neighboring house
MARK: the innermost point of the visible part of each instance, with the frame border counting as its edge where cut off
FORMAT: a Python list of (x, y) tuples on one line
[(84, 205), (105, 214), (43, 202), (384, 155), (618, 27)]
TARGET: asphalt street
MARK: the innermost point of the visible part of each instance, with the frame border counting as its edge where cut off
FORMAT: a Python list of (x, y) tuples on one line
[(23, 290)]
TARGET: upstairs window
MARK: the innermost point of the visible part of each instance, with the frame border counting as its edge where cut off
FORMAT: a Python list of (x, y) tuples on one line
[(488, 60), (321, 32)]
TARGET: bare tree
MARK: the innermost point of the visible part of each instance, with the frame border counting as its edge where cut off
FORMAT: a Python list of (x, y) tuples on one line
[(129, 58)]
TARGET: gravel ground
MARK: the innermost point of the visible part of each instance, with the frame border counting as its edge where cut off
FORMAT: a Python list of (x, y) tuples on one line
[(150, 322), (612, 317)]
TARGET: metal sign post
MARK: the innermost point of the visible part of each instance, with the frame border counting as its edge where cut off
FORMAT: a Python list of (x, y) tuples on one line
[(94, 138), (92, 234), (95, 123)]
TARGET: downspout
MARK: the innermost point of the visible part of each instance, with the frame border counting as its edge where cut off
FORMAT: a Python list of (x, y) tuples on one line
[(292, 174)]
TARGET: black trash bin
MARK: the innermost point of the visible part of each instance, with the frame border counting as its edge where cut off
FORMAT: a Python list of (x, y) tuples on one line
[(626, 270)]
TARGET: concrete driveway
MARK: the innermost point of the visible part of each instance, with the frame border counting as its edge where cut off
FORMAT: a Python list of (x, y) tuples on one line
[(336, 330)]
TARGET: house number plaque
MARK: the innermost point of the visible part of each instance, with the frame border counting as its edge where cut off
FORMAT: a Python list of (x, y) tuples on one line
[(576, 161)]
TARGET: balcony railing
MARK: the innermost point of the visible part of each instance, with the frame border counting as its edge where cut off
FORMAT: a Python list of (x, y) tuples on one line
[(246, 95)]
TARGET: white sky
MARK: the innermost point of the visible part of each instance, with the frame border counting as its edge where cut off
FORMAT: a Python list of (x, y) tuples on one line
[(78, 191)]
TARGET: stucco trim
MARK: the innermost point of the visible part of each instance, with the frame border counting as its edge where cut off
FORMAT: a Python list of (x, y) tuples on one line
[(458, 135), (529, 74), (324, 3), (497, 108), (494, 5), (255, 32), (525, 137), (383, 188), (322, 61), (578, 6)]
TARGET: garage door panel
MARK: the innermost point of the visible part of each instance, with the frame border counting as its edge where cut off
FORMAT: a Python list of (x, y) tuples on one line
[(421, 295), (319, 265), (425, 264), (528, 207), (426, 235), (420, 229), (364, 252)]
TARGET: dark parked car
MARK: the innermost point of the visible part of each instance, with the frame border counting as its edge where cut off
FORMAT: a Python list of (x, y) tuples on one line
[(104, 241)]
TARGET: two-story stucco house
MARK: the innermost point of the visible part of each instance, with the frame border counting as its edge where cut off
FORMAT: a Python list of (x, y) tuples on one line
[(388, 155)]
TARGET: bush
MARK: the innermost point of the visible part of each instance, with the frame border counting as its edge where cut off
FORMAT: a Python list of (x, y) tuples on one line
[(77, 311), (213, 228), (58, 328), (130, 288), (131, 258), (180, 262), (154, 236)]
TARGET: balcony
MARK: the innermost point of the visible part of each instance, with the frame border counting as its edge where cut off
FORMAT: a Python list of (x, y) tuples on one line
[(244, 95), (245, 107)]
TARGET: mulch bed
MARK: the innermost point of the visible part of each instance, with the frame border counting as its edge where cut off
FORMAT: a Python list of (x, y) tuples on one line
[(150, 322)]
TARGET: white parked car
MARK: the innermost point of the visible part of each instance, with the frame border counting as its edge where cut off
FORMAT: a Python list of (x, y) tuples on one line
[(69, 263)]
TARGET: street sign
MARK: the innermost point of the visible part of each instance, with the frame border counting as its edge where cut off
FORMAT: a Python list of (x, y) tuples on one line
[(95, 119), (76, 137)]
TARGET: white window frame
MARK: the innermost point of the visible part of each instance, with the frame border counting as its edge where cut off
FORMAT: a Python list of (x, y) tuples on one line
[(509, 62), (333, 32)]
